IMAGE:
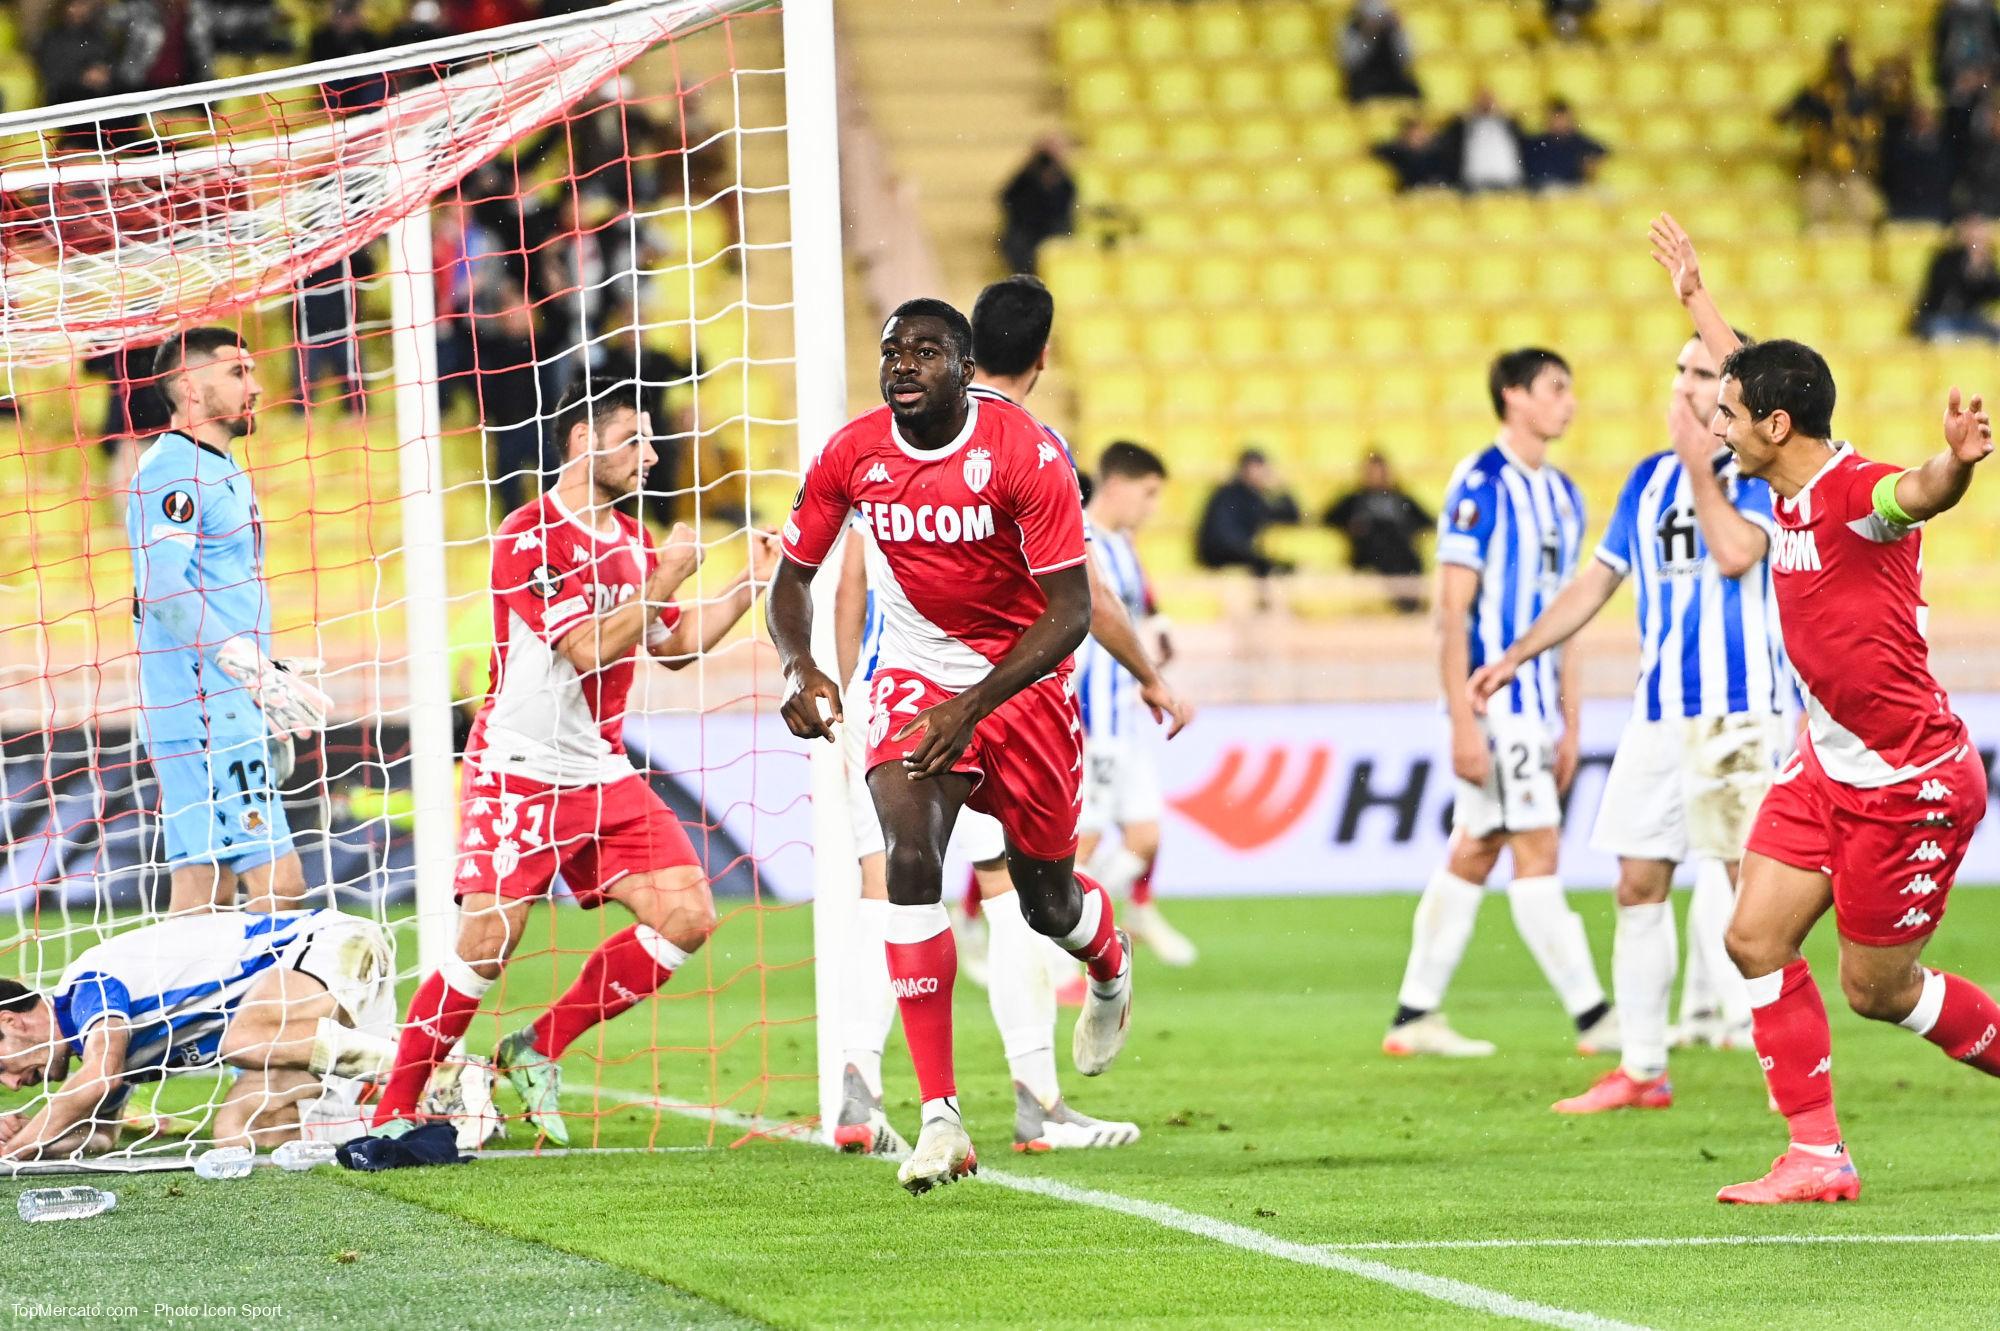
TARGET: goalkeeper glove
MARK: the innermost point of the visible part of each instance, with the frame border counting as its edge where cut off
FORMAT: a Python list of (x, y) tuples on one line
[(290, 704)]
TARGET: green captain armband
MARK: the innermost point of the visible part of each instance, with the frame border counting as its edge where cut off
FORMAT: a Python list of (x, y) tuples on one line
[(1886, 507)]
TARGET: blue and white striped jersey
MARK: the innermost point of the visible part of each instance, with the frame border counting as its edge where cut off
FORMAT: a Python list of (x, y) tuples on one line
[(177, 983), (1108, 691), (1521, 529), (1708, 645)]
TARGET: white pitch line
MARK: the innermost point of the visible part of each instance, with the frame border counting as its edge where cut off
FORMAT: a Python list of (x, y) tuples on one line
[(1458, 1293), (1683, 1241)]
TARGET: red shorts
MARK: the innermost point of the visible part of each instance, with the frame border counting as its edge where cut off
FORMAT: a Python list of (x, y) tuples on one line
[(1892, 851), (1026, 760), (516, 834)]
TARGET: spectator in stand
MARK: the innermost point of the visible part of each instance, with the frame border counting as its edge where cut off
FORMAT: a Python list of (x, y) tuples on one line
[(1978, 179), (1414, 156), (346, 33), (1382, 524), (459, 242), (1841, 136), (1965, 45), (509, 385), (1963, 280), (1916, 168), (1482, 147), (1562, 156), (78, 54), (249, 27), (423, 23), (1038, 203), (1570, 19), (326, 332), (463, 16), (1374, 53), (168, 43), (1238, 514)]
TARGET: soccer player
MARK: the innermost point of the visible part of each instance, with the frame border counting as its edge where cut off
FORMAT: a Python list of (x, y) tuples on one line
[(1707, 723), (981, 528), (287, 998), (1121, 793), (1508, 537), (578, 588), (217, 715), (1873, 814)]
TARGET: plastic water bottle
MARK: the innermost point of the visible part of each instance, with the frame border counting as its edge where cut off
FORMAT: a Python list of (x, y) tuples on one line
[(302, 1155), (225, 1162), (76, 1203)]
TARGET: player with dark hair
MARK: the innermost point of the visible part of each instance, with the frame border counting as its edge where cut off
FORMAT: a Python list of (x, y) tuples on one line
[(578, 589), (1872, 816), (217, 715), (1508, 538), (976, 514)]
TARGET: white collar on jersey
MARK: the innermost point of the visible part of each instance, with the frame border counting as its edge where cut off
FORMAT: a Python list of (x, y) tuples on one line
[(933, 454), (576, 519), (1513, 457), (1841, 449)]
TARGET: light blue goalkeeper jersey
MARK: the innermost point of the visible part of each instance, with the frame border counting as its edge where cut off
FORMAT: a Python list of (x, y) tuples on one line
[(197, 580)]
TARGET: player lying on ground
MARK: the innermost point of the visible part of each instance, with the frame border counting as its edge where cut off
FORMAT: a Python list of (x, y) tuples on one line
[(217, 715), (287, 999), (981, 528), (1707, 717), (1873, 814), (1508, 536), (578, 588)]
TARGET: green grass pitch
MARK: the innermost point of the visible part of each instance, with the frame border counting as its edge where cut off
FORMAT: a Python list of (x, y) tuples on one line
[(1266, 1106)]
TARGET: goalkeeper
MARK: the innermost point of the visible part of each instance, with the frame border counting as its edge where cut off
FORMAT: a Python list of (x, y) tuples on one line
[(217, 715)]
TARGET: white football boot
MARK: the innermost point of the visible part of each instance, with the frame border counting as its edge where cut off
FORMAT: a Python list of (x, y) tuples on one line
[(1432, 1036), (1105, 1021), (943, 1155), (1057, 1127)]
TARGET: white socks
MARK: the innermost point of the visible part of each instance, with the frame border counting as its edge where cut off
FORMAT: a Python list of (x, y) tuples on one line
[(1930, 1004), (1554, 934), (1021, 996), (344, 1052), (868, 1005), (1709, 910), (1117, 868), (1442, 928), (1642, 980), (459, 975)]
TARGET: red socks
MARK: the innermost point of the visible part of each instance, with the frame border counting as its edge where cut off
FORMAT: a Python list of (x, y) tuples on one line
[(1094, 941), (923, 967), (439, 1015), (627, 967), (1142, 887), (1960, 1018), (1796, 1048)]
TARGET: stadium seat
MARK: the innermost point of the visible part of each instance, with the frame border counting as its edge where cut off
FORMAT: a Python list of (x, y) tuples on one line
[(1157, 33), (1221, 31), (1172, 337), (1261, 394), (1581, 76), (1817, 24), (1194, 139), (1148, 187), (1453, 334), (1359, 178), (1119, 395), (1311, 227), (1220, 279), (1841, 262), (1308, 85), (1516, 83), (1219, 185), (1431, 29), (1287, 280), (1176, 89), (1536, 326), (1497, 276), (1874, 321), (1314, 334), (1566, 276), (1122, 139), (1190, 395), (1337, 391), (1245, 229), (1905, 252), (1094, 338), (1245, 334), (1667, 132), (1428, 278), (1380, 330), (1488, 30), (1400, 387), (1754, 27), (1285, 30), (1174, 228), (1644, 85), (1448, 82), (1331, 134), (1257, 138), (1242, 88), (1357, 277), (1779, 74), (1086, 36), (1375, 222), (1147, 280), (1102, 90), (1509, 217), (1729, 130), (1687, 27), (1075, 274), (1294, 182)]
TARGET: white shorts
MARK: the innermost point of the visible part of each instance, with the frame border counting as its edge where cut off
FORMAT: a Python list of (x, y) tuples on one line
[(1519, 794), (1688, 787), (352, 957), (977, 836), (1120, 787)]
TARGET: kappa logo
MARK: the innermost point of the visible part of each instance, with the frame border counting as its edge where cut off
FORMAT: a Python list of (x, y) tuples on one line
[(468, 870), (1933, 791), (1981, 1045), (1795, 552), (978, 469), (1928, 853), (1047, 453), (1822, 1068), (1247, 817), (1920, 886), (916, 987), (527, 540), (1914, 918), (877, 474)]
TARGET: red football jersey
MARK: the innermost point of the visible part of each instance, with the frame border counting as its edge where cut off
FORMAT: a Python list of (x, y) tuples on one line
[(964, 531), (1850, 596), (553, 571)]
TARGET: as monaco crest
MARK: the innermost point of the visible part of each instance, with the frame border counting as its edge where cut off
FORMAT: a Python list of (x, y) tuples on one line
[(978, 469)]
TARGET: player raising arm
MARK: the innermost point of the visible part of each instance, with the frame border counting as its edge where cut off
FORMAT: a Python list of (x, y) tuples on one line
[(1872, 817), (981, 529), (217, 715), (578, 587)]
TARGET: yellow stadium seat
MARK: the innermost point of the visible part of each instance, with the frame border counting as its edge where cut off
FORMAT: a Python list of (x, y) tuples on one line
[(1433, 215), (1359, 278), (1842, 263), (1667, 132), (1174, 228), (1287, 280), (1176, 89), (1642, 85), (1359, 178), (1122, 138), (1309, 335), (1148, 187), (1687, 27), (1431, 30), (1157, 33), (1894, 381), (1217, 185), (1221, 31), (1873, 321), (1517, 83), (1255, 138), (1578, 74), (1244, 229), (1448, 81), (1508, 217), (1400, 387), (1103, 90), (1778, 75), (1526, 326), (1336, 391), (1591, 330), (1173, 337), (1093, 338), (1308, 85), (1427, 278), (1697, 174), (1755, 27), (1289, 30), (1629, 273), (1220, 279), (1622, 173), (1075, 273), (1733, 130), (1330, 134), (1776, 274), (1379, 117), (1566, 275), (1378, 222), (1242, 87), (1183, 395), (1282, 183), (1379, 331), (1452, 333), (1906, 250), (1818, 22), (1623, 384), (1489, 30), (1117, 394), (1264, 394), (1148, 280), (1717, 218), (1657, 327), (1575, 217), (1890, 27), (1193, 139), (1313, 227), (1242, 335), (1496, 276), (1085, 36)]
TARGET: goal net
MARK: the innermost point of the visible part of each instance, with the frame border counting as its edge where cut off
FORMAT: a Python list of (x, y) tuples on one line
[(422, 251)]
